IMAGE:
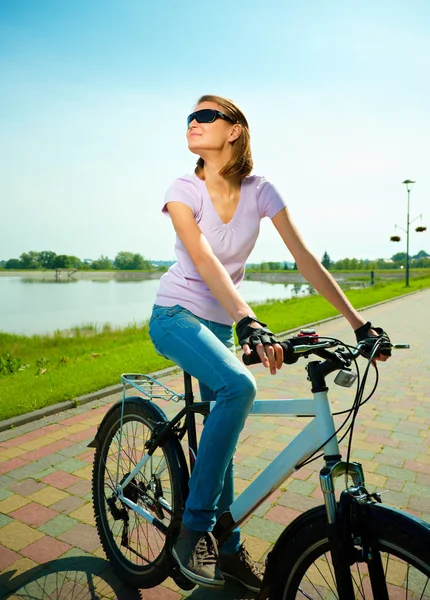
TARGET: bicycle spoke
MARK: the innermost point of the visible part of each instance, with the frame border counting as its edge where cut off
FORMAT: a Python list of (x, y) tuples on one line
[(359, 587), (316, 581)]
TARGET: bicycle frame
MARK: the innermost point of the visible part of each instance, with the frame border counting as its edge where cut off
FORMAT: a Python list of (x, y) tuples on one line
[(319, 433)]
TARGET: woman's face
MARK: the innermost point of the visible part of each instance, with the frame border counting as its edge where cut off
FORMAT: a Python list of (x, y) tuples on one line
[(216, 136)]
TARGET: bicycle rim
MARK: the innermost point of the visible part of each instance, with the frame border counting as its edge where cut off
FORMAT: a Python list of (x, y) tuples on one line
[(403, 574)]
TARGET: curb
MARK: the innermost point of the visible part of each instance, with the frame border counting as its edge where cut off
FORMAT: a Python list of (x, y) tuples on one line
[(54, 409)]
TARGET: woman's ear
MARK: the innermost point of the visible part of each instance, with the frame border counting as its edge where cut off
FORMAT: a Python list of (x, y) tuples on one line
[(236, 130)]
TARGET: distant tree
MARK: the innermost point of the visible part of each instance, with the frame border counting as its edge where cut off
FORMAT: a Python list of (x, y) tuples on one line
[(29, 260), (102, 263), (46, 259), (326, 262), (399, 256), (295, 267), (13, 263), (264, 266), (274, 266), (285, 267), (422, 254), (127, 261), (64, 261)]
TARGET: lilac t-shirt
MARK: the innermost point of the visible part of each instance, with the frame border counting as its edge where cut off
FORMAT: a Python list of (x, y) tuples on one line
[(231, 242)]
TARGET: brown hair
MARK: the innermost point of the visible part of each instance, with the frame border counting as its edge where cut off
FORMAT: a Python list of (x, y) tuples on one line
[(241, 163)]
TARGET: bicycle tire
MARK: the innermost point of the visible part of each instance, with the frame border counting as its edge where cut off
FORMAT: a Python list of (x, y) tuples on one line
[(302, 566), (139, 551)]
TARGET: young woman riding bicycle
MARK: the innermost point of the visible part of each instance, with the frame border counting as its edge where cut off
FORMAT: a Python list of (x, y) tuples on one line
[(216, 212)]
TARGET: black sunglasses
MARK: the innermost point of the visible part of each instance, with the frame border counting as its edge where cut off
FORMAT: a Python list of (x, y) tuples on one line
[(207, 115)]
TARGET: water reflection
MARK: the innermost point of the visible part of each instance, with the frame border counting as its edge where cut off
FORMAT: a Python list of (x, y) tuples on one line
[(43, 280)]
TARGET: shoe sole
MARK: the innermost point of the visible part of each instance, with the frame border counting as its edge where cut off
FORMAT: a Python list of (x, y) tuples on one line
[(248, 587), (197, 579)]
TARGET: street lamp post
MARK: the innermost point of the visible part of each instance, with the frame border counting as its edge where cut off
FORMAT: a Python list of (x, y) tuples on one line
[(409, 183), (396, 238)]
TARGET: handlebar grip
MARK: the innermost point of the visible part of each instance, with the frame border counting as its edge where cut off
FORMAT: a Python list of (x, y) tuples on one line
[(289, 356), (251, 359)]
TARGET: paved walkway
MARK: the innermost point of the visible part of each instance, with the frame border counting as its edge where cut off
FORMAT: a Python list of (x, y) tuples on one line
[(48, 543)]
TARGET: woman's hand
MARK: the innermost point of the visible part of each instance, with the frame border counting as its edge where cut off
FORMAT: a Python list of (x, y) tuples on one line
[(366, 332), (255, 335)]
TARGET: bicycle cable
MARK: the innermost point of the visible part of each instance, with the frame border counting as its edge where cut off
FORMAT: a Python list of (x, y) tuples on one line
[(357, 403)]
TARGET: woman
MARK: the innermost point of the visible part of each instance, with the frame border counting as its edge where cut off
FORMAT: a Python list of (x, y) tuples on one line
[(216, 213)]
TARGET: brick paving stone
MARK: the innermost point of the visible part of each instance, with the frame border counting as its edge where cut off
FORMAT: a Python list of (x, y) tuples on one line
[(391, 471), (394, 484), (80, 489), (58, 525), (46, 450), (73, 451), (70, 465), (282, 515), (12, 503), (4, 520), (31, 470), (84, 514), (67, 505), (301, 487), (13, 463), (263, 528), (45, 550), (61, 479), (7, 557), (81, 536), (85, 473), (16, 536), (297, 501), (26, 487), (33, 514), (417, 466), (48, 496), (416, 489), (5, 494)]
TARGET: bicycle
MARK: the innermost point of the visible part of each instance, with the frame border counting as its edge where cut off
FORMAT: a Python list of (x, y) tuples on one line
[(349, 547)]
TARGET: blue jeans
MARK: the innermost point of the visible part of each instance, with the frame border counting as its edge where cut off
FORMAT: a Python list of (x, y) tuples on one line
[(205, 350)]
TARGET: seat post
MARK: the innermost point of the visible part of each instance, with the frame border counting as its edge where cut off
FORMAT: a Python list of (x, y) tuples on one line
[(191, 420)]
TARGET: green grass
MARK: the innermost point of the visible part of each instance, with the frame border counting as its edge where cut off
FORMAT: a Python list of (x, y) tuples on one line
[(66, 365)]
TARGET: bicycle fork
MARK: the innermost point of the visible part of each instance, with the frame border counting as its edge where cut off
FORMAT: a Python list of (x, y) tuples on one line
[(342, 534)]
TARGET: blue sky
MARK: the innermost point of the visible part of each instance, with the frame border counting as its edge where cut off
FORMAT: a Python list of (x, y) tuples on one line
[(95, 95)]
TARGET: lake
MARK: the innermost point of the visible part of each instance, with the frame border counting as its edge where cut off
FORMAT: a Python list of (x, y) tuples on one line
[(29, 306)]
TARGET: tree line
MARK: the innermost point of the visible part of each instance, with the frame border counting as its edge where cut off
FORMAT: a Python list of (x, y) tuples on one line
[(129, 261), (123, 261), (419, 261)]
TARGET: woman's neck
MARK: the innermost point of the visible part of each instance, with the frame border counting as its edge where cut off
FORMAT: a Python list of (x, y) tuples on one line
[(216, 181)]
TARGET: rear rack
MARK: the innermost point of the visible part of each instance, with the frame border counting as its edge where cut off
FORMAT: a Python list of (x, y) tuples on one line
[(150, 387)]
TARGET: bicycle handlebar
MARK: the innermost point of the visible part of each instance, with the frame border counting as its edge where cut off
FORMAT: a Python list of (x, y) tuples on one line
[(303, 345)]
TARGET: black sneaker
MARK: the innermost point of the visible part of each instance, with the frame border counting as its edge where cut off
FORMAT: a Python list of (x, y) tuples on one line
[(196, 553), (241, 567)]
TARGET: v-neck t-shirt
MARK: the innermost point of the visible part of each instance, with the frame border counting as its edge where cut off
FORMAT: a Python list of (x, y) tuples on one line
[(231, 242)]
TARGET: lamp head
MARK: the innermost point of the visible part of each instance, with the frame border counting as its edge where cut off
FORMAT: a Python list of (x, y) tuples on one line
[(409, 183)]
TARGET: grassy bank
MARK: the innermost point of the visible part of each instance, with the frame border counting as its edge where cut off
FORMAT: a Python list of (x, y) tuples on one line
[(65, 366)]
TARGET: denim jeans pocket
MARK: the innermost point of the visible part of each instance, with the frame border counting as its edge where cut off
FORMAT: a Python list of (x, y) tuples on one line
[(158, 327)]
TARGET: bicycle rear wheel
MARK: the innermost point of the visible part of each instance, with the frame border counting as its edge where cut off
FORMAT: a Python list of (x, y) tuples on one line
[(304, 569), (136, 548)]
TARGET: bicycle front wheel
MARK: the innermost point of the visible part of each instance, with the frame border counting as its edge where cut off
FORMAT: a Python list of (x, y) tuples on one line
[(136, 546), (304, 569)]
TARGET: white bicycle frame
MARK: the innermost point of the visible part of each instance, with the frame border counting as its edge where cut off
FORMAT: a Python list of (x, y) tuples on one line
[(319, 433)]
